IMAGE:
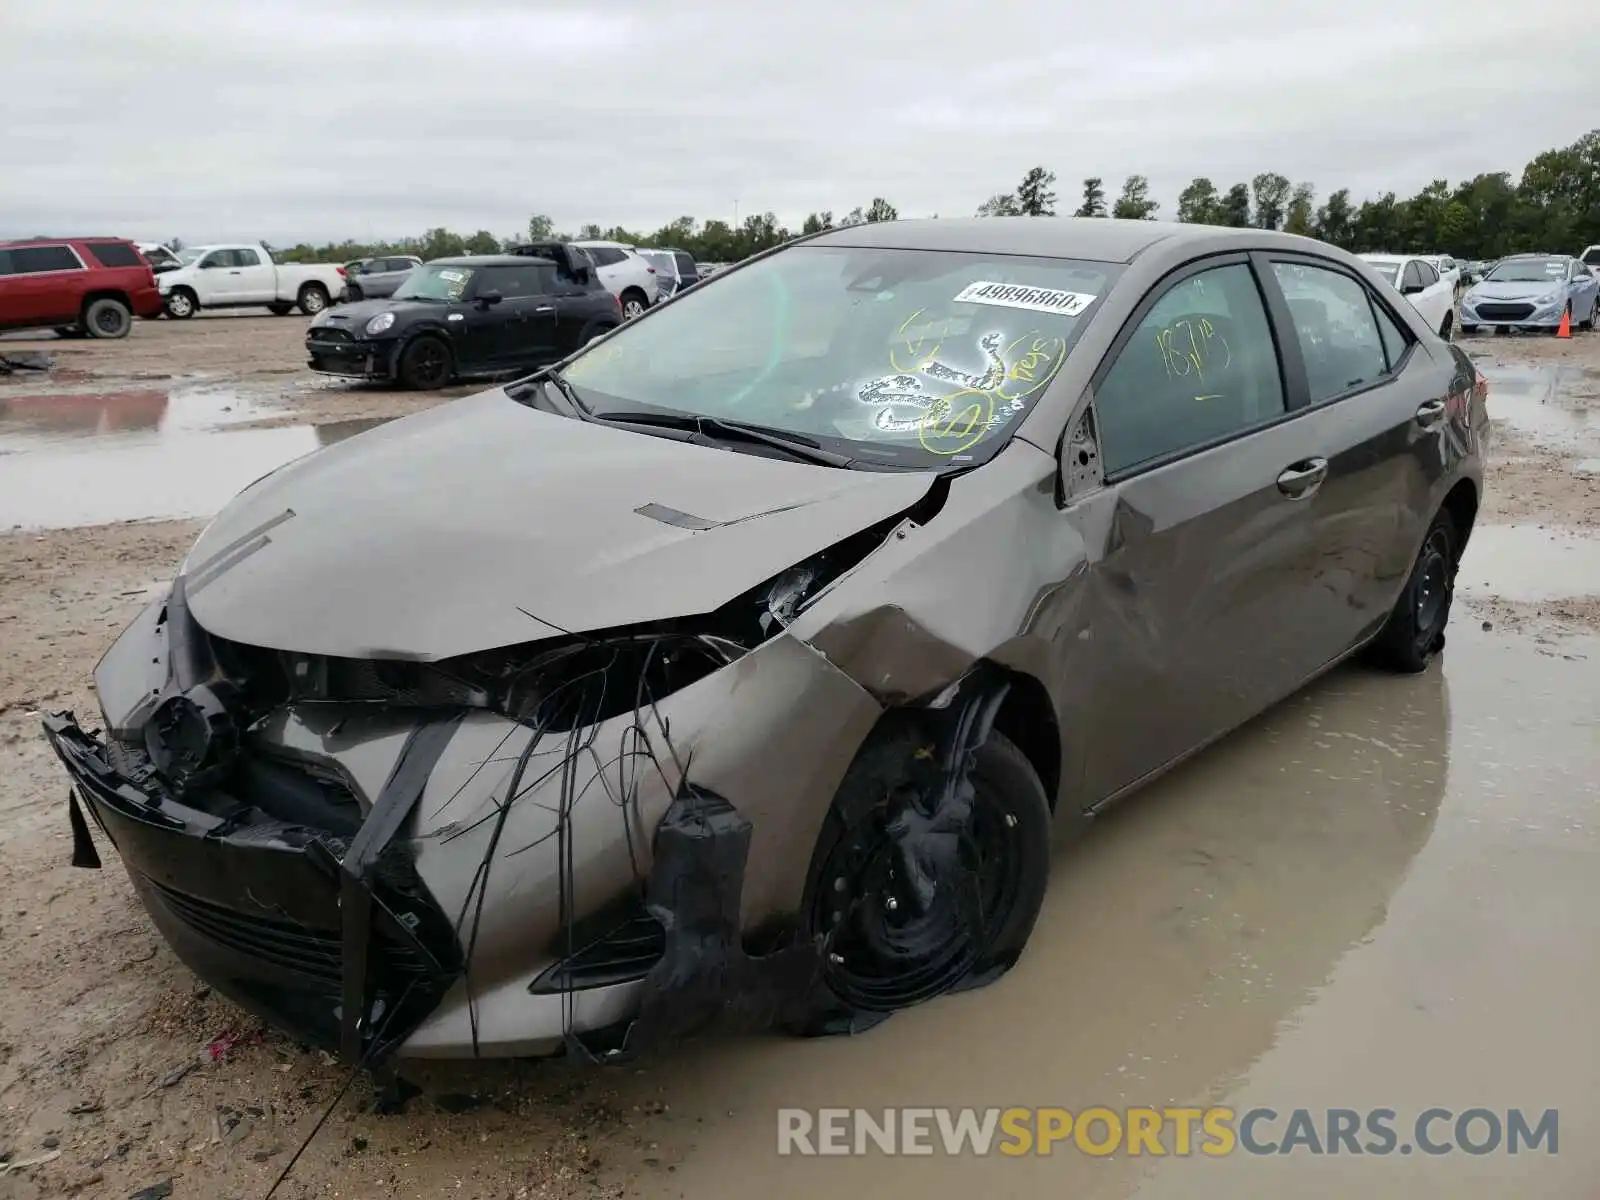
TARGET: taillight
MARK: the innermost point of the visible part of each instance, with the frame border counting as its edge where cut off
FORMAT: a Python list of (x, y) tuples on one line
[(341, 272), (652, 270)]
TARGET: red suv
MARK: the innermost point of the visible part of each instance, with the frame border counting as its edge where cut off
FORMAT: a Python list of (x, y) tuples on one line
[(75, 286)]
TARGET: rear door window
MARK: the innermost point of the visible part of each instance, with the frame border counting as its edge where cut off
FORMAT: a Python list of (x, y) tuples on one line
[(1429, 275), (1201, 365), (685, 265), (534, 279), (1337, 331), (1413, 275), (36, 260), (246, 258)]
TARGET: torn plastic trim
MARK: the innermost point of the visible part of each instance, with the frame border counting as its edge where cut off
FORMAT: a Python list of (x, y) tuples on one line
[(705, 978)]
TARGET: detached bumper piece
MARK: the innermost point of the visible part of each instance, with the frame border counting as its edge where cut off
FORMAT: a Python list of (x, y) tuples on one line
[(342, 355), (334, 940)]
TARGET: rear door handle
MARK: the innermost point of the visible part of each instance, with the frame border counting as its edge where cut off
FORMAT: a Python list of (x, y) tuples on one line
[(1430, 413), (1300, 479)]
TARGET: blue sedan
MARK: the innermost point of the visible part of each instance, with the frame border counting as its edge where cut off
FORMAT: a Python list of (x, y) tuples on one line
[(1532, 291)]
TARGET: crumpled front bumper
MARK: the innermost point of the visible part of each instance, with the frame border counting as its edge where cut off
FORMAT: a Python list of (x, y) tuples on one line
[(473, 945), (365, 359), (255, 908)]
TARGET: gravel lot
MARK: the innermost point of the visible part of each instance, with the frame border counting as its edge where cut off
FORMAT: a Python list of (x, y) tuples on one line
[(114, 1059)]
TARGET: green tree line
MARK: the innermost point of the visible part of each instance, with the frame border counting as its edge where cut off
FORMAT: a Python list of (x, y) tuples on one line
[(1554, 205)]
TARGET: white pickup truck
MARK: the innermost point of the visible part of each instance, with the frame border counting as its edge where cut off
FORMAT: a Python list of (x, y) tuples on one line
[(244, 276)]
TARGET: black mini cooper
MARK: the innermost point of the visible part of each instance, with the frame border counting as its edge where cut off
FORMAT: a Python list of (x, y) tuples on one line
[(453, 318)]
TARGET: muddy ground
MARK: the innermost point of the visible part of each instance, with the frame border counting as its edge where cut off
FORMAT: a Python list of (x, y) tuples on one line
[(1383, 893)]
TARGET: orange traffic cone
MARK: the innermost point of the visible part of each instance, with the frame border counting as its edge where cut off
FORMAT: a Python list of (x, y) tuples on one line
[(1564, 330)]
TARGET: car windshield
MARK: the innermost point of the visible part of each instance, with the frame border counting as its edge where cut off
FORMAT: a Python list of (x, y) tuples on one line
[(900, 357), (664, 264), (435, 282), (1529, 270), (1388, 270)]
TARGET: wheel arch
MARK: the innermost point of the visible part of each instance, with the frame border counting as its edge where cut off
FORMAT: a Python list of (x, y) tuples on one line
[(116, 294)]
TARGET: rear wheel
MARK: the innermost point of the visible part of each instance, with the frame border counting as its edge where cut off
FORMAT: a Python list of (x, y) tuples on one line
[(425, 363), (1414, 632), (633, 304), (107, 318), (313, 299), (887, 951)]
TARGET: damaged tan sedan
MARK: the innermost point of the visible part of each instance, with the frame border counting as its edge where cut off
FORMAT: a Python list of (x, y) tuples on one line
[(738, 668)]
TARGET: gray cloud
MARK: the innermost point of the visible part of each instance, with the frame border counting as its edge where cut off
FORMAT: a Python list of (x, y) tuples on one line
[(380, 118)]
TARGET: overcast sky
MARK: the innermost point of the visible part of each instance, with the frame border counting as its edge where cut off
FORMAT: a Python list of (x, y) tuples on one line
[(325, 119)]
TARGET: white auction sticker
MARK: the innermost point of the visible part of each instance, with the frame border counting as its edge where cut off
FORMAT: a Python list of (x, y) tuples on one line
[(1014, 295)]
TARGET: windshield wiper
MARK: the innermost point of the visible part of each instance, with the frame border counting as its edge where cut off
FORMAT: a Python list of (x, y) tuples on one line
[(568, 392), (796, 445)]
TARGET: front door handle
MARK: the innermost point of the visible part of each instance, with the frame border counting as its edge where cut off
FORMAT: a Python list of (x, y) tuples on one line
[(233, 272), (1300, 479), (544, 308), (1430, 413)]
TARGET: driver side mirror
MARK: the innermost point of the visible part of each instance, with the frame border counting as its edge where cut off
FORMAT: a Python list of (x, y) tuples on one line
[(489, 298), (1411, 289)]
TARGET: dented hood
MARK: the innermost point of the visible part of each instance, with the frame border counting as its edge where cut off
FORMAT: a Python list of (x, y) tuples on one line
[(485, 523)]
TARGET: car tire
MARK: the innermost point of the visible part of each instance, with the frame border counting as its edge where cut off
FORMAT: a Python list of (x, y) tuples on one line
[(593, 332), (313, 299), (1469, 328), (1414, 632), (71, 332), (1587, 325), (848, 903), (280, 310), (181, 304), (633, 304), (107, 318), (425, 363), (352, 294)]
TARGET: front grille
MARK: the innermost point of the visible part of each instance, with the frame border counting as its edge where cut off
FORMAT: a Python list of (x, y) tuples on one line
[(315, 954), (623, 955), (328, 334), (1505, 312)]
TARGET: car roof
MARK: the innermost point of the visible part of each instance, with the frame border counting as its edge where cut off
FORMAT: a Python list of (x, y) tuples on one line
[(1388, 258), (56, 241), (487, 260), (1097, 239), (603, 242)]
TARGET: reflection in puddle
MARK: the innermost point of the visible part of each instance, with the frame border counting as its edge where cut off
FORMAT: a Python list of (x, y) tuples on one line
[(139, 455), (1557, 406), (1529, 562)]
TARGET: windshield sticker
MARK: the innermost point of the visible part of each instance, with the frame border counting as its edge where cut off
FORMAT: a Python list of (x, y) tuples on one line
[(1554, 269), (1035, 299), (948, 422), (452, 276)]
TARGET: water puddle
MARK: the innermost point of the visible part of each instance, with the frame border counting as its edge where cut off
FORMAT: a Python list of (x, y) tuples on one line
[(1530, 562), (1556, 406), (138, 455)]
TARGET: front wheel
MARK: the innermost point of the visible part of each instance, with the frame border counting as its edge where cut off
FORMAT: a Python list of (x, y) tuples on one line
[(886, 949), (425, 364), (181, 304), (1469, 328), (313, 299), (1587, 325), (1414, 633)]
